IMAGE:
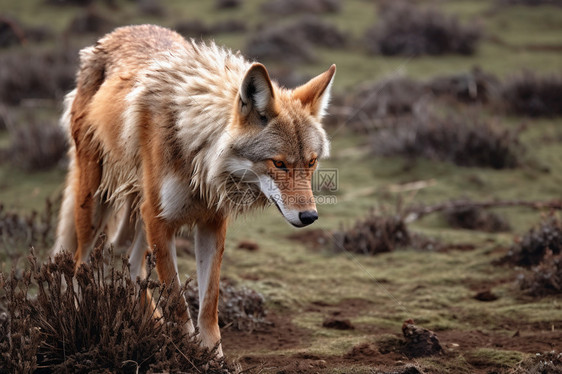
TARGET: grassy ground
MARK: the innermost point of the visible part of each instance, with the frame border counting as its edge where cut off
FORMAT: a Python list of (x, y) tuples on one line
[(435, 289)]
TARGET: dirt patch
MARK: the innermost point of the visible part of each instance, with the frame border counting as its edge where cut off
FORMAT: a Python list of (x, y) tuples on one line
[(315, 238), (248, 245), (279, 334)]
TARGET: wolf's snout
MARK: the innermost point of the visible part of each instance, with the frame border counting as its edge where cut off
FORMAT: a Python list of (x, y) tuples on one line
[(308, 216)]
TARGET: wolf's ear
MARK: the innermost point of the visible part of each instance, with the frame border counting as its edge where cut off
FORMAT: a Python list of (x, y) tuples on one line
[(256, 91), (315, 94)]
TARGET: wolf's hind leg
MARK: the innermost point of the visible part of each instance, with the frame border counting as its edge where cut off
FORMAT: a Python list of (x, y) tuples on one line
[(66, 228), (90, 211)]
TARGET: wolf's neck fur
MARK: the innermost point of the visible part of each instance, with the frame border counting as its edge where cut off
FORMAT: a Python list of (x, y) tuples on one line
[(212, 76)]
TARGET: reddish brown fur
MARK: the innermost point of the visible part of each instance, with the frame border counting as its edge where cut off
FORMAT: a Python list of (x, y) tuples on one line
[(110, 71)]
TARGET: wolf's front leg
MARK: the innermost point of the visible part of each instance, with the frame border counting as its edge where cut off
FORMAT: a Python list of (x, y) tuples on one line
[(161, 239), (209, 247)]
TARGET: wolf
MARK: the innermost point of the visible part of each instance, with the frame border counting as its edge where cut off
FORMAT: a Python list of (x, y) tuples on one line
[(167, 133)]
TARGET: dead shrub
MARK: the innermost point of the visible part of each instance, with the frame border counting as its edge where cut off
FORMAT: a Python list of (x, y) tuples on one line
[(406, 29), (227, 4), (288, 77), (392, 97), (376, 233), (540, 363), (474, 86), (98, 325), (460, 140), (89, 21), (475, 218), (18, 232), (276, 44), (11, 33), (83, 3), (293, 42), (241, 308), (530, 2), (151, 8), (36, 145), (317, 32), (531, 95), (193, 28), (544, 279), (287, 7), (32, 74), (531, 249), (228, 26)]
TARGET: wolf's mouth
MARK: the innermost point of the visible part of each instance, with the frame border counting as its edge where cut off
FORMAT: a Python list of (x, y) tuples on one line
[(280, 211), (277, 205)]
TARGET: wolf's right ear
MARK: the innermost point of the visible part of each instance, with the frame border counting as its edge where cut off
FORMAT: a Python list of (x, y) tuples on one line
[(256, 91)]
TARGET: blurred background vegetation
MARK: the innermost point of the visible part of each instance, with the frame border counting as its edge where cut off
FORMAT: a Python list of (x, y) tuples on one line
[(446, 131)]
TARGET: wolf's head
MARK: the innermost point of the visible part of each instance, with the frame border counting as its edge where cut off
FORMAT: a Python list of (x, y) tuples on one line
[(279, 140)]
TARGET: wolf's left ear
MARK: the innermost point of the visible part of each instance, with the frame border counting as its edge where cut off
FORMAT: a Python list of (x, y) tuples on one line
[(256, 91), (315, 94)]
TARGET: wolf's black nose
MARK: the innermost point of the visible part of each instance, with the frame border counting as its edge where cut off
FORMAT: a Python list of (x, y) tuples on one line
[(308, 216)]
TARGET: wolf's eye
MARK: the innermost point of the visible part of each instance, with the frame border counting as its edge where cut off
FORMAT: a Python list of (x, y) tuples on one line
[(279, 164), (311, 163)]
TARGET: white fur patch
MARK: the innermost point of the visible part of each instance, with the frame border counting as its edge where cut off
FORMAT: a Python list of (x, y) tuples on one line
[(173, 194), (205, 252), (272, 192), (137, 252), (129, 134), (325, 98)]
